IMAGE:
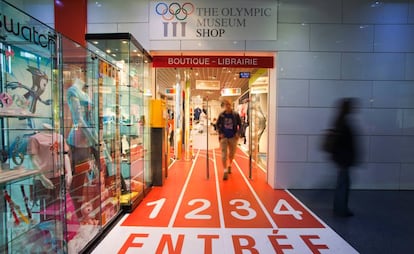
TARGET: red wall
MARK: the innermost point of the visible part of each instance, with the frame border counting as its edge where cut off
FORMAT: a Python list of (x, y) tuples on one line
[(71, 20)]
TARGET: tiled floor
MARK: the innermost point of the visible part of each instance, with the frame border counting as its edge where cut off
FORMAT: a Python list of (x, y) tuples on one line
[(383, 222)]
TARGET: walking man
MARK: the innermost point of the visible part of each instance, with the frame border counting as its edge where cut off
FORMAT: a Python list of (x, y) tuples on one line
[(228, 127), (345, 154)]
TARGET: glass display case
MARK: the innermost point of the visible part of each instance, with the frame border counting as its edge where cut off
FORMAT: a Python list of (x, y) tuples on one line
[(90, 101), (134, 63), (60, 145), (32, 150)]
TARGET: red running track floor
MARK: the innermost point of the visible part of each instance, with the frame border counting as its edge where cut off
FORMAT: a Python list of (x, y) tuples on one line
[(193, 213)]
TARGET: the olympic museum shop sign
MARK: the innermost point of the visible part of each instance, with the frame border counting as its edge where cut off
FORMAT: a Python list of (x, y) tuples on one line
[(213, 19)]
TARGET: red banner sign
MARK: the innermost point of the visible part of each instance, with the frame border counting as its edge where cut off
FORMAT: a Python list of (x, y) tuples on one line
[(213, 61)]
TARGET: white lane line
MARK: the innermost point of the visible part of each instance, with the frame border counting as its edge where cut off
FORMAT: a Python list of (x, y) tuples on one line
[(253, 160), (268, 216), (180, 199), (219, 204), (171, 164), (307, 209)]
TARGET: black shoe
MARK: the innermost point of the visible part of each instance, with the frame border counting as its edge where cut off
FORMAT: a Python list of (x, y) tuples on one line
[(225, 176), (229, 170)]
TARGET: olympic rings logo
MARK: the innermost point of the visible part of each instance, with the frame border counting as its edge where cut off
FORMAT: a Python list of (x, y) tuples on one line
[(174, 10)]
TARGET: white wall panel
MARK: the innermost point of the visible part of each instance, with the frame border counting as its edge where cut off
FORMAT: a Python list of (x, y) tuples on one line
[(408, 123), (393, 94), (102, 28), (212, 45), (363, 148), (371, 66), (309, 11), (292, 148), (309, 65), (394, 38), (165, 45), (325, 93), (302, 120), (407, 176), (409, 66), (292, 37), (109, 11), (306, 175), (407, 149), (315, 154), (411, 12), (261, 45), (385, 149), (375, 12), (383, 121), (337, 37), (293, 93), (374, 176)]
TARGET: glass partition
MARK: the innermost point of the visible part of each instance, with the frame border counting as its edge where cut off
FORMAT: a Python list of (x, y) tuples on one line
[(32, 175), (90, 87), (60, 143), (134, 63)]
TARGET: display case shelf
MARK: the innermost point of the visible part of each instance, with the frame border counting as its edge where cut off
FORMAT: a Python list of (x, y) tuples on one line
[(9, 176)]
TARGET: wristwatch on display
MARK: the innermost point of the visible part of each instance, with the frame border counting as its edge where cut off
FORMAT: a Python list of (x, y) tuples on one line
[(17, 156)]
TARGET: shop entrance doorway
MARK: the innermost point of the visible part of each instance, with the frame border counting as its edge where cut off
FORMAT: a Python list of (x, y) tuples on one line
[(193, 91)]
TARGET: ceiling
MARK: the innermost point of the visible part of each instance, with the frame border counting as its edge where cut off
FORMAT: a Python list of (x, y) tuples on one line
[(227, 78)]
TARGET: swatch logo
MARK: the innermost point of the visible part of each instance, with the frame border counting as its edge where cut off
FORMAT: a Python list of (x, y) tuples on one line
[(174, 16)]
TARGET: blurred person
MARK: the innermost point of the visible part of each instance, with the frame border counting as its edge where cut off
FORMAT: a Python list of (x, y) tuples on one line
[(214, 124), (344, 154), (228, 127)]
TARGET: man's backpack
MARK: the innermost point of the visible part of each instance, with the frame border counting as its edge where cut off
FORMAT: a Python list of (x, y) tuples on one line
[(329, 140)]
